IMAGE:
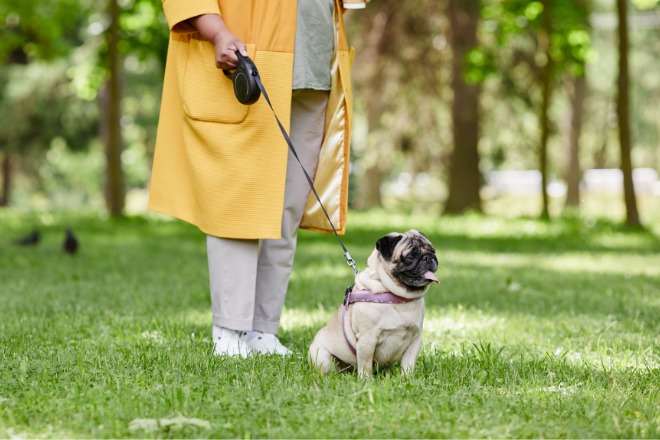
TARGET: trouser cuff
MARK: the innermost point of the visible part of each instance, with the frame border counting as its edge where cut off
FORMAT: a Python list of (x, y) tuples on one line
[(245, 325)]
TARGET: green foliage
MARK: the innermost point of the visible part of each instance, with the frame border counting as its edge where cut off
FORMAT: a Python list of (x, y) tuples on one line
[(398, 74), (646, 4), (512, 25), (38, 106), (50, 87), (143, 37), (543, 330), (144, 29), (40, 30)]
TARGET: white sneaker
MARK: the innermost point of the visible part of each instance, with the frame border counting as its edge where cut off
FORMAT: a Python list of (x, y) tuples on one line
[(228, 342), (264, 343)]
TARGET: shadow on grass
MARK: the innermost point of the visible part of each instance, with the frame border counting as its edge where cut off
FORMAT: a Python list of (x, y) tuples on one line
[(520, 235), (489, 264), (620, 300), (526, 268)]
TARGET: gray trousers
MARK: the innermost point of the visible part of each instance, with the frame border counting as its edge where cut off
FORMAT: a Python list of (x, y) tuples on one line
[(249, 278)]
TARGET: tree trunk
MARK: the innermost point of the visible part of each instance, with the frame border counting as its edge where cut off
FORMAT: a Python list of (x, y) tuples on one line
[(573, 171), (112, 115), (6, 180), (369, 191), (623, 116), (546, 97), (464, 176), (371, 83)]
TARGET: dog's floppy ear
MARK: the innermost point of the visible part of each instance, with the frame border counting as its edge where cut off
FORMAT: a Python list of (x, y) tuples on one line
[(387, 244)]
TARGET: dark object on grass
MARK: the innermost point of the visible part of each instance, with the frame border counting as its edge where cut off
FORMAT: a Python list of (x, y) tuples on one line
[(32, 239), (70, 245)]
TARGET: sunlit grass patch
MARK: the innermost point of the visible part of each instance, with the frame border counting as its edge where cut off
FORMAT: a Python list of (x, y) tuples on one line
[(300, 319)]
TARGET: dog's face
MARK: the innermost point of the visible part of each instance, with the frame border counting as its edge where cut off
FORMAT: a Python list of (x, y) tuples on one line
[(409, 259)]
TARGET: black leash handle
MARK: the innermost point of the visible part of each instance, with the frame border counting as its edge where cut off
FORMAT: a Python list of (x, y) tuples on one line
[(255, 74)]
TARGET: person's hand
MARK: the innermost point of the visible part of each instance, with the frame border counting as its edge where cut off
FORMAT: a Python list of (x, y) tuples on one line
[(226, 44), (212, 27)]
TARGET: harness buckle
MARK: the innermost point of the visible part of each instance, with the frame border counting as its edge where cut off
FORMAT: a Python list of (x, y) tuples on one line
[(347, 295)]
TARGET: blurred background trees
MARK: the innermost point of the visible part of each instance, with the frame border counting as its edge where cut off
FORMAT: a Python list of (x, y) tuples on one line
[(78, 83), (453, 97)]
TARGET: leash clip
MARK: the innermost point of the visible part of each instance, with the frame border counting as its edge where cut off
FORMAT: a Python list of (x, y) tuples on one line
[(351, 262)]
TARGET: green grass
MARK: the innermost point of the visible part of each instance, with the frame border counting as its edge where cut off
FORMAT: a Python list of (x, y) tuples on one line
[(537, 330)]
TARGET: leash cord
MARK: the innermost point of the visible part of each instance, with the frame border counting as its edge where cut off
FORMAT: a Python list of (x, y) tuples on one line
[(347, 255)]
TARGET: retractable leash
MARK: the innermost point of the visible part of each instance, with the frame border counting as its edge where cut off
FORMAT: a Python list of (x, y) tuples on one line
[(248, 88)]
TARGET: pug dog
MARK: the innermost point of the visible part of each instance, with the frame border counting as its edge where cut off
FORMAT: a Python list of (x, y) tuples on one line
[(387, 328)]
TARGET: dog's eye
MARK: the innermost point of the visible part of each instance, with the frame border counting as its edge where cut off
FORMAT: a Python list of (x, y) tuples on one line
[(410, 256)]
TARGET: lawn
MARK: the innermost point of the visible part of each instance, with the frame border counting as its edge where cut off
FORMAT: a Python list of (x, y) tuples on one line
[(537, 330)]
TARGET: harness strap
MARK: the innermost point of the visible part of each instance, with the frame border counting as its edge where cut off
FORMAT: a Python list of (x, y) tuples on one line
[(367, 296)]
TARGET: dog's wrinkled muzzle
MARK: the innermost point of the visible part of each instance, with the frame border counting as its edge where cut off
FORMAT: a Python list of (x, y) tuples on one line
[(421, 274), (416, 278)]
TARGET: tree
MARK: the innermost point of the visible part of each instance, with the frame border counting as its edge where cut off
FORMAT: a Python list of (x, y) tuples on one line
[(376, 43), (546, 79), (623, 117), (532, 46), (399, 92), (39, 109), (111, 102), (5, 187), (93, 43), (464, 175), (31, 31), (138, 28), (573, 174)]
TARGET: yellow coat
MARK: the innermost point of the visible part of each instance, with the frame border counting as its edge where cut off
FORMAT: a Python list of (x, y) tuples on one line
[(221, 165)]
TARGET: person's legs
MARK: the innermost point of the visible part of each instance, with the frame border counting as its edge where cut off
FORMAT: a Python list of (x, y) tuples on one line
[(232, 276), (249, 281), (308, 108)]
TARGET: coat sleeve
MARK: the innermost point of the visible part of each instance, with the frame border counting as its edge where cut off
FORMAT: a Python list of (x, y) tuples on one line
[(178, 11)]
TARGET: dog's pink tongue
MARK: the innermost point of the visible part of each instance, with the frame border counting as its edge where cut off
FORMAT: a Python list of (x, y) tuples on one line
[(431, 276)]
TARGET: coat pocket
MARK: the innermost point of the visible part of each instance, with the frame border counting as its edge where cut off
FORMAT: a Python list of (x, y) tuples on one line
[(208, 95)]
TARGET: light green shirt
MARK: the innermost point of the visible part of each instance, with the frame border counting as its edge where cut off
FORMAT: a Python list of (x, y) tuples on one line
[(315, 44)]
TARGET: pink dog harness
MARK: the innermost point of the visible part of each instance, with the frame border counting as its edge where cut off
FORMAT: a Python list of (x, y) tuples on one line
[(368, 296)]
